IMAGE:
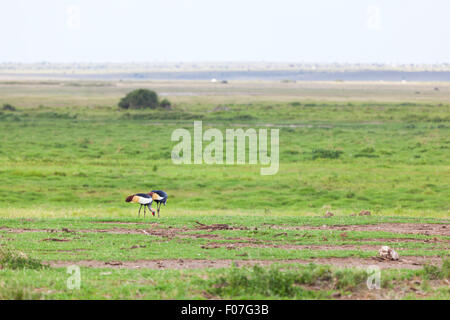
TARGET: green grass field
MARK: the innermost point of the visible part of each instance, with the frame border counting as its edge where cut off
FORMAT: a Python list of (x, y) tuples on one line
[(69, 157)]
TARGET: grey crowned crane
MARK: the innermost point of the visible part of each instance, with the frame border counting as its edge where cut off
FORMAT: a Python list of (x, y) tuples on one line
[(162, 199), (146, 200)]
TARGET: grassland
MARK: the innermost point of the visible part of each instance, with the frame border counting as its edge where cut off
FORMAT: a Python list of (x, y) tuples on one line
[(178, 258), (69, 157)]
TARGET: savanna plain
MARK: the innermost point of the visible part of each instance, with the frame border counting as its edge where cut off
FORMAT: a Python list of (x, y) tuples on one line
[(375, 155)]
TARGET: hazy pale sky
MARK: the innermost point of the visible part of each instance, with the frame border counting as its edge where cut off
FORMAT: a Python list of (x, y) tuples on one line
[(386, 31)]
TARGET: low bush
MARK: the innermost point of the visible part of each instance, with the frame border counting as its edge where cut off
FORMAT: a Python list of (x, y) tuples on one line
[(326, 154), (10, 259), (8, 107)]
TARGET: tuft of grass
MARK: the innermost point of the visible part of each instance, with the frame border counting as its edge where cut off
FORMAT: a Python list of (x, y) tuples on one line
[(431, 272), (10, 259), (256, 281), (315, 274), (349, 280), (286, 283), (326, 154), (16, 291)]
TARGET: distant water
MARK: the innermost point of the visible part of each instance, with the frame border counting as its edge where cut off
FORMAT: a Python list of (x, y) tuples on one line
[(260, 75), (295, 75)]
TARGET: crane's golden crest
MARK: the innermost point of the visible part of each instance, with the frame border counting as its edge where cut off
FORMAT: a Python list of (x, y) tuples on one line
[(156, 196)]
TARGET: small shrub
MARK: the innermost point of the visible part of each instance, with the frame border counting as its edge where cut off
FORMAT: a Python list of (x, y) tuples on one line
[(140, 99), (366, 155), (236, 117), (9, 117), (292, 152), (8, 107), (350, 195), (56, 115), (440, 119), (326, 154), (165, 104), (368, 150)]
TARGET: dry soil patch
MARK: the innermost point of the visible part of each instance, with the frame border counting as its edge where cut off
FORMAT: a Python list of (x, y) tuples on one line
[(409, 262)]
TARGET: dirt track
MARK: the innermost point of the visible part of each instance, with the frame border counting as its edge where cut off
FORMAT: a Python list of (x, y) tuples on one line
[(405, 228), (432, 231), (428, 229), (409, 262)]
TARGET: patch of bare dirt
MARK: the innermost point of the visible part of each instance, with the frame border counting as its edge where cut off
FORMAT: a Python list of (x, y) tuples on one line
[(244, 239), (213, 227), (61, 250), (200, 235), (171, 232), (404, 228), (22, 230), (410, 262), (137, 246), (218, 226), (114, 230), (156, 231), (56, 239), (126, 223), (396, 240), (236, 245)]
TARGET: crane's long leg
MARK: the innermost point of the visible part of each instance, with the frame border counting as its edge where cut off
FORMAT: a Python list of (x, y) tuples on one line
[(144, 212), (139, 214), (158, 207)]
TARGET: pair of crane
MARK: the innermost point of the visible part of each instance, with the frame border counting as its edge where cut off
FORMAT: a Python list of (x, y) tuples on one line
[(146, 200)]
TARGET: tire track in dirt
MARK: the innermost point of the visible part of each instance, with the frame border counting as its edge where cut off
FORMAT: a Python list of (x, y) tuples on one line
[(404, 228), (362, 247), (171, 232), (409, 262)]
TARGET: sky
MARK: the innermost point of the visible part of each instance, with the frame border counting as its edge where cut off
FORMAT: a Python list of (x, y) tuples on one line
[(319, 31)]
